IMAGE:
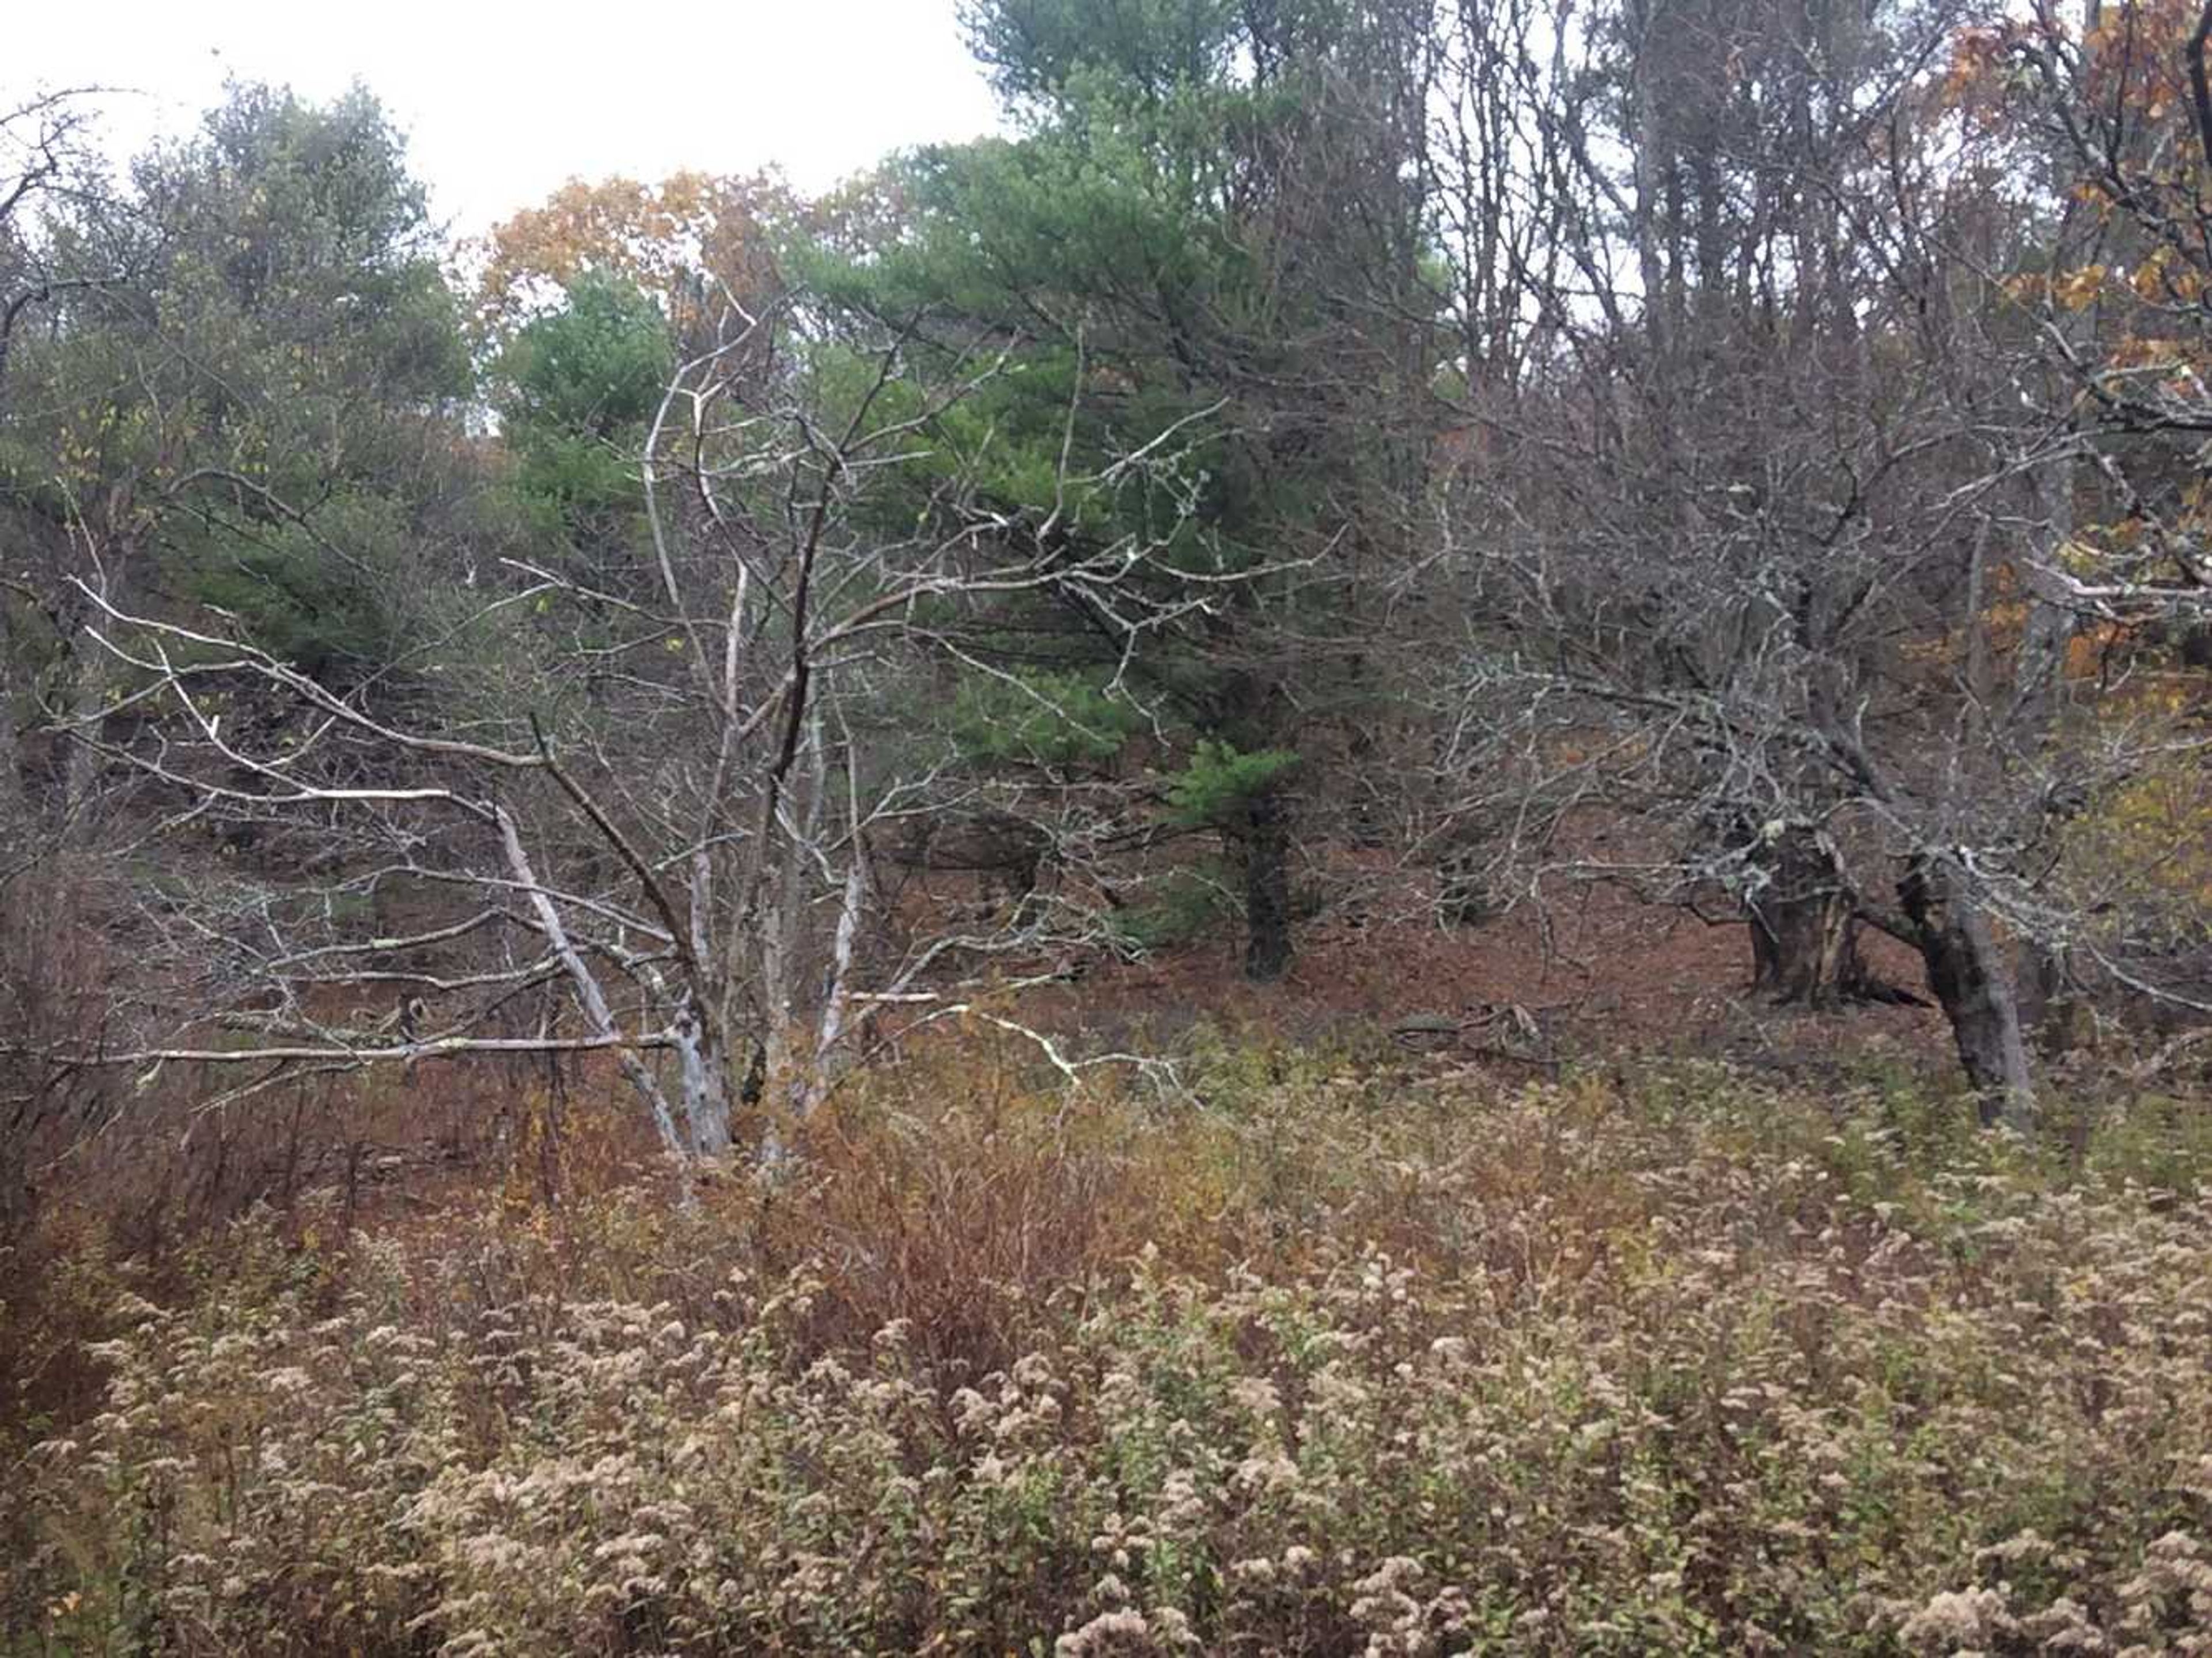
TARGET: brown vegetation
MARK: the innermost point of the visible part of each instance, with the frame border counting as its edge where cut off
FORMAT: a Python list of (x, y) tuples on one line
[(1332, 1354)]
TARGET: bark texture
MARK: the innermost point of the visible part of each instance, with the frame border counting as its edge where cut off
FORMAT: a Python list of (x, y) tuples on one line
[(1804, 927), (1968, 975), (1267, 843)]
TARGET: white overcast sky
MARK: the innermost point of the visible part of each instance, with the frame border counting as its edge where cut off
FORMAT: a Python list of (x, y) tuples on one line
[(503, 102)]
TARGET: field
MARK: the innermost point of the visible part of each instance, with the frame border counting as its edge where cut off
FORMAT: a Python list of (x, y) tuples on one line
[(1333, 1350)]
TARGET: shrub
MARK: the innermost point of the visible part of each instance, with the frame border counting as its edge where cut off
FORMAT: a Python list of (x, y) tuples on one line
[(1682, 1367), (1185, 905), (1041, 718)]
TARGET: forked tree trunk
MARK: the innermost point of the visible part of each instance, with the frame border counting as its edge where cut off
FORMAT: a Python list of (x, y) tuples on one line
[(1968, 975), (1267, 847)]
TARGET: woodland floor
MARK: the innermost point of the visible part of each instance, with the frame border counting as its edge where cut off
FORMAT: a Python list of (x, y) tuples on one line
[(1602, 976)]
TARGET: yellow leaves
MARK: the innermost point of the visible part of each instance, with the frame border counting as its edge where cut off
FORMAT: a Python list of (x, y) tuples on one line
[(2084, 656), (2152, 838), (1983, 72), (2162, 277), (1973, 53), (2079, 558), (2073, 290), (2136, 351), (2076, 290)]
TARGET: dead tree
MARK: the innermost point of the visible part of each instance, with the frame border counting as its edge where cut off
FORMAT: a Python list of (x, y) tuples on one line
[(1743, 546), (684, 854)]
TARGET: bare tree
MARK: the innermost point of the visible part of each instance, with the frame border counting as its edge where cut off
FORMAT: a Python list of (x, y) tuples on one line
[(43, 155), (671, 808), (1745, 543)]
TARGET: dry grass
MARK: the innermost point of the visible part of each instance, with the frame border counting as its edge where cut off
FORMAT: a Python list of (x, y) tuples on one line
[(1340, 1361)]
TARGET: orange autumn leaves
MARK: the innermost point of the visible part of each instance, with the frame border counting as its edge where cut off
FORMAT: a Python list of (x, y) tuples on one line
[(694, 241)]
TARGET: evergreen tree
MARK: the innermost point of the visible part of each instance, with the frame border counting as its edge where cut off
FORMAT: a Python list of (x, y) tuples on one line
[(256, 405), (1207, 227)]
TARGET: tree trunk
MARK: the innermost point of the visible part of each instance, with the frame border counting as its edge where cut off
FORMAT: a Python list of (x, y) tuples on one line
[(80, 760), (1805, 951), (1804, 947), (1968, 976), (15, 814), (589, 995), (1804, 926), (1267, 842), (705, 1086)]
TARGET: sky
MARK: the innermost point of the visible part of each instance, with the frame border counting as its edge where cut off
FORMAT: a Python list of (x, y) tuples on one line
[(504, 102)]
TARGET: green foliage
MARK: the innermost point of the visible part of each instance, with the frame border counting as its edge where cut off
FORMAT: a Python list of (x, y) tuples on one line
[(1184, 907), (1062, 247), (575, 390), (1035, 49), (263, 389), (1162, 256), (1222, 781), (1040, 718), (310, 597), (302, 226), (1104, 248), (1159, 254), (2142, 852), (594, 368)]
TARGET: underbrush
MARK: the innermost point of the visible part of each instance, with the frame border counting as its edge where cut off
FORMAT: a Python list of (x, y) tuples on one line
[(1337, 1360)]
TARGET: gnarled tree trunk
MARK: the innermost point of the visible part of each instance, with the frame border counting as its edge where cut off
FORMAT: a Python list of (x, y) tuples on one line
[(1804, 925), (1805, 952), (1971, 984), (1803, 947)]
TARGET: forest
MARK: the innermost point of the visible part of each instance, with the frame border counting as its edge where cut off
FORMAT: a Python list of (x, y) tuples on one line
[(1398, 840)]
